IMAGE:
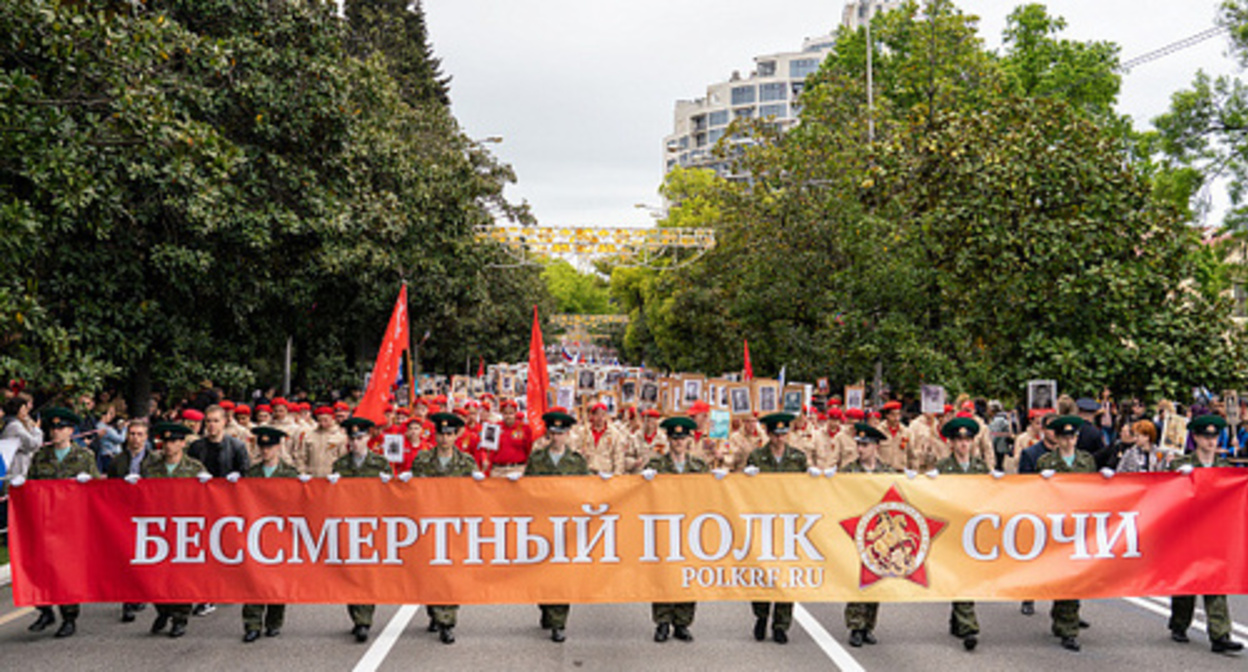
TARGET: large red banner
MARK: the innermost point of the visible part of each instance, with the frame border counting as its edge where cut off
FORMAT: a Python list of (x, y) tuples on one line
[(626, 539)]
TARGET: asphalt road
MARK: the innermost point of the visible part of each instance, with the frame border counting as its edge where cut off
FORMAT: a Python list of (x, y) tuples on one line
[(1125, 635)]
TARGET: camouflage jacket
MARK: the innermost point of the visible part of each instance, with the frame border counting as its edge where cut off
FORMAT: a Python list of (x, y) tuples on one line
[(283, 470), (372, 465), (950, 465), (856, 467), (664, 464), (189, 467), (427, 464), (792, 460), (1084, 462), (1192, 459), (571, 464), (78, 461)]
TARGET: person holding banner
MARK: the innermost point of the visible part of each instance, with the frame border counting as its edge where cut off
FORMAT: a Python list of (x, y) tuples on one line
[(61, 459), (1205, 431), (647, 442), (444, 460), (745, 441), (173, 464), (271, 616), (555, 459), (360, 462), (515, 443), (674, 618), (1066, 459), (961, 433), (776, 456), (602, 445), (860, 617)]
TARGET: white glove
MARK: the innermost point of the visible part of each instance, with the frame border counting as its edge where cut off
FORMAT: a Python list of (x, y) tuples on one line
[(997, 474), (648, 474), (605, 475), (1107, 472), (514, 476), (405, 476), (204, 477), (17, 481), (932, 474), (910, 473), (719, 474), (132, 478), (1186, 469), (304, 478), (829, 472), (83, 477), (333, 478), (750, 470), (814, 472), (1047, 473), (478, 476), (385, 476), (232, 477)]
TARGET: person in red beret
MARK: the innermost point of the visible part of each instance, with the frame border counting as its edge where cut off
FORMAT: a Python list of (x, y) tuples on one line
[(263, 415), (515, 443), (745, 440), (894, 450), (714, 453), (602, 445), (318, 449), (469, 439), (646, 443), (342, 411)]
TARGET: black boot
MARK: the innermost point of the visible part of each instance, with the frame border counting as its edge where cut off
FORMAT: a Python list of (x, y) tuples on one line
[(1028, 608), (779, 636), (557, 636), (446, 633), (661, 632), (159, 624), (272, 632), (251, 636), (46, 618), (1225, 644), (433, 626), (127, 613), (1070, 644), (361, 633), (1179, 636), (760, 628), (67, 628), (178, 629), (682, 633), (855, 638), (868, 636), (970, 642)]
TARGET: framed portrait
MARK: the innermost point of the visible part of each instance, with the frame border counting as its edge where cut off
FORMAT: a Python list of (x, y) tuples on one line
[(586, 380), (611, 401), (613, 377), (507, 384), (932, 399), (459, 386), (766, 395), (717, 393), (565, 396), (740, 401), (855, 397), (648, 393), (693, 387), (794, 399), (1041, 394), (489, 436), (823, 386), (628, 390), (393, 447)]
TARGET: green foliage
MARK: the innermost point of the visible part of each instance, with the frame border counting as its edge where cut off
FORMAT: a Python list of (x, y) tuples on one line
[(576, 292)]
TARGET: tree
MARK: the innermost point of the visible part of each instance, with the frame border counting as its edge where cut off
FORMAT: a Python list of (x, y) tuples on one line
[(396, 29)]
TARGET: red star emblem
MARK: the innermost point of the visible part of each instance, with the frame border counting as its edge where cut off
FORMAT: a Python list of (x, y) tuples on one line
[(893, 540)]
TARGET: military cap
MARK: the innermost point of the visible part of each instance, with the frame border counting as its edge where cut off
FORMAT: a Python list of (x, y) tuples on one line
[(446, 423), (598, 407), (777, 423), (357, 427), (268, 436), (280, 401), (1065, 425), (1207, 425), (960, 428), (651, 413), (508, 403), (855, 414), (57, 416), (679, 427), (558, 422), (1087, 405), (864, 433), (170, 431)]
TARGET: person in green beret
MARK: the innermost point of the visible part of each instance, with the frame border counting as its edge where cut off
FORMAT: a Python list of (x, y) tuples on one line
[(173, 463), (271, 616), (775, 456), (675, 617), (1205, 430), (961, 433), (359, 462), (1066, 459), (60, 459), (443, 461), (556, 459), (861, 617)]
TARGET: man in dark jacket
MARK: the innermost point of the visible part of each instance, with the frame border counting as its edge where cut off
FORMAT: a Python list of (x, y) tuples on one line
[(220, 453)]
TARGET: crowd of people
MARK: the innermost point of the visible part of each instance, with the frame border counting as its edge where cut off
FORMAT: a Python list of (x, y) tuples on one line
[(445, 436)]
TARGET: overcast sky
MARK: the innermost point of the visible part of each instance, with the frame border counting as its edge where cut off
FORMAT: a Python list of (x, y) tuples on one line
[(582, 91)]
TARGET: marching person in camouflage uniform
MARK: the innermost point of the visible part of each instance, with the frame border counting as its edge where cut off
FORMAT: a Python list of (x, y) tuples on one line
[(1066, 459), (556, 459), (860, 617), (271, 616), (775, 456), (444, 460), (961, 433), (360, 462), (60, 459), (677, 616), (174, 463), (1205, 431)]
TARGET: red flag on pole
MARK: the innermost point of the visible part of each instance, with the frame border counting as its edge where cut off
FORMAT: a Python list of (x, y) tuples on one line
[(394, 343), (480, 366), (535, 391), (749, 370)]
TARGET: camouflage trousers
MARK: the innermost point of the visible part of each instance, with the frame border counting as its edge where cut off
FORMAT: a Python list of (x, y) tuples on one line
[(178, 613), (554, 615), (962, 621), (673, 613), (1065, 615), (69, 612), (861, 615), (1217, 614), (782, 616), (362, 614), (268, 615), (443, 614)]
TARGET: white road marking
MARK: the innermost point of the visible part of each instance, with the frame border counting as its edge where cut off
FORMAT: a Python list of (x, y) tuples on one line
[(835, 652), (381, 646), (1161, 605)]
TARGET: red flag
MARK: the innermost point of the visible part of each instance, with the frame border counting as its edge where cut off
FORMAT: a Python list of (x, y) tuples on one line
[(535, 392), (749, 370), (394, 343), (480, 366)]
